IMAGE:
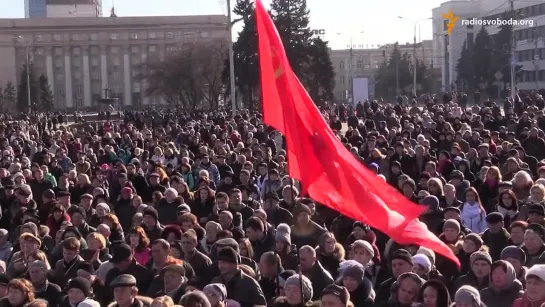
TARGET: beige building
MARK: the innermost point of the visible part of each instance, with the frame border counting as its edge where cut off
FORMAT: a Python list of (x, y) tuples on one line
[(366, 61), (83, 56)]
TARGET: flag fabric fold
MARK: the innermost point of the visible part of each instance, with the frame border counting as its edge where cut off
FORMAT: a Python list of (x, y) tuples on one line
[(329, 172)]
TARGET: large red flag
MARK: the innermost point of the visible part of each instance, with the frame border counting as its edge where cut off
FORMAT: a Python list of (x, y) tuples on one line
[(330, 173)]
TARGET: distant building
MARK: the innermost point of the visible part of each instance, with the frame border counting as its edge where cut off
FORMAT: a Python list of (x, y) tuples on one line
[(83, 56), (365, 62), (62, 8), (530, 48)]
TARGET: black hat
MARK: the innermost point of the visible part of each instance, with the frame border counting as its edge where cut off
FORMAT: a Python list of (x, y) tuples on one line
[(152, 212), (272, 195), (87, 267), (494, 217), (81, 284), (4, 279), (124, 280), (402, 254), (120, 252), (537, 209), (228, 254), (183, 208), (338, 291)]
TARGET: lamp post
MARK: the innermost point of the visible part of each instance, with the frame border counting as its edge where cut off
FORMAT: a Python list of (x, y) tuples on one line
[(415, 23), (231, 60), (350, 70), (27, 41)]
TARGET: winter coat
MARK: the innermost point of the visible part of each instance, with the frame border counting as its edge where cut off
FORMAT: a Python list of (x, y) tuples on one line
[(473, 217)]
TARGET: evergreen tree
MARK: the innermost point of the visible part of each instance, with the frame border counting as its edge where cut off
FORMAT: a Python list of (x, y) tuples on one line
[(464, 68), (22, 92), (320, 72), (501, 55), (291, 18), (397, 68), (10, 97), (482, 62), (45, 103), (245, 56)]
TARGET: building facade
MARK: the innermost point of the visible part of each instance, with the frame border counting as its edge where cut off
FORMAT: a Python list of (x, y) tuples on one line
[(363, 63), (83, 56), (62, 8), (530, 47)]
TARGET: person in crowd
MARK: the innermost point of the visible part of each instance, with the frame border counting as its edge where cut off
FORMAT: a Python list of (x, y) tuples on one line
[(504, 288), (496, 237), (401, 261), (313, 269), (478, 275), (37, 271), (468, 296), (434, 293)]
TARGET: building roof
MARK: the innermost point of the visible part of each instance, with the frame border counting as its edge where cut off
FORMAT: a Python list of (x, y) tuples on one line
[(70, 2)]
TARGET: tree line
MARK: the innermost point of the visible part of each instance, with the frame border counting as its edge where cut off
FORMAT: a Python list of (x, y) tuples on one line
[(394, 76), (14, 98), (198, 73), (481, 60)]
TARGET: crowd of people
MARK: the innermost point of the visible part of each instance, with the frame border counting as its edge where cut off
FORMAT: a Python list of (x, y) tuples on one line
[(198, 210)]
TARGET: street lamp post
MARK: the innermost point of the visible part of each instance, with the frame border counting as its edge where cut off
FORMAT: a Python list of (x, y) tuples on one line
[(415, 23), (231, 60), (27, 63), (350, 70)]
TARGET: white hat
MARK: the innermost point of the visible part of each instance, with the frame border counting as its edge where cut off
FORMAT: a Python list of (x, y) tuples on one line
[(89, 303), (428, 252), (365, 245), (537, 270), (422, 260)]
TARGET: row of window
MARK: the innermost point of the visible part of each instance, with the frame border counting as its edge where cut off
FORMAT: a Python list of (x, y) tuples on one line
[(522, 13), (531, 55), (530, 76), (129, 36)]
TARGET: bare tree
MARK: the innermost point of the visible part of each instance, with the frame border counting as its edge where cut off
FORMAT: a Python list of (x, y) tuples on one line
[(188, 78)]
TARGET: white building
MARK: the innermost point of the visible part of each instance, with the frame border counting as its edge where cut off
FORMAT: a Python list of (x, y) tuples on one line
[(365, 61), (530, 49)]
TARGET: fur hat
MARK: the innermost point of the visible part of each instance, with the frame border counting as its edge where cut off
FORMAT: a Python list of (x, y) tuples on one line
[(283, 233)]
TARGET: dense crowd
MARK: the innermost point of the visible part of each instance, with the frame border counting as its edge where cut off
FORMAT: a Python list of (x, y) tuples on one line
[(198, 209)]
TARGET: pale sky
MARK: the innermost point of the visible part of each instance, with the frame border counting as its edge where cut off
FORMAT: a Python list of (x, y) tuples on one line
[(376, 19)]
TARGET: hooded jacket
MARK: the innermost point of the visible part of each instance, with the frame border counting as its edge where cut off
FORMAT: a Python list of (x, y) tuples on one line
[(506, 296)]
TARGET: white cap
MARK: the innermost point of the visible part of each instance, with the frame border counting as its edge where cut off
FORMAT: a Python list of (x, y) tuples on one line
[(88, 303)]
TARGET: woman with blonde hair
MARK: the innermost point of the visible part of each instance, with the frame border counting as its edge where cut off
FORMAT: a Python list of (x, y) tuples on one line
[(488, 190), (162, 301), (522, 183)]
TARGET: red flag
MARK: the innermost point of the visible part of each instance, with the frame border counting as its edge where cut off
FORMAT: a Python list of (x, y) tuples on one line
[(331, 174)]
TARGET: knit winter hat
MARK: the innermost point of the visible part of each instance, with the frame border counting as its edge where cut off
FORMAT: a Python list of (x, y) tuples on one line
[(89, 303), (80, 284), (427, 252), (228, 254), (283, 233), (452, 224), (513, 252), (402, 254), (353, 269), (219, 290), (423, 261), (537, 270), (431, 201), (151, 212), (295, 280), (467, 295), (478, 255), (365, 245)]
